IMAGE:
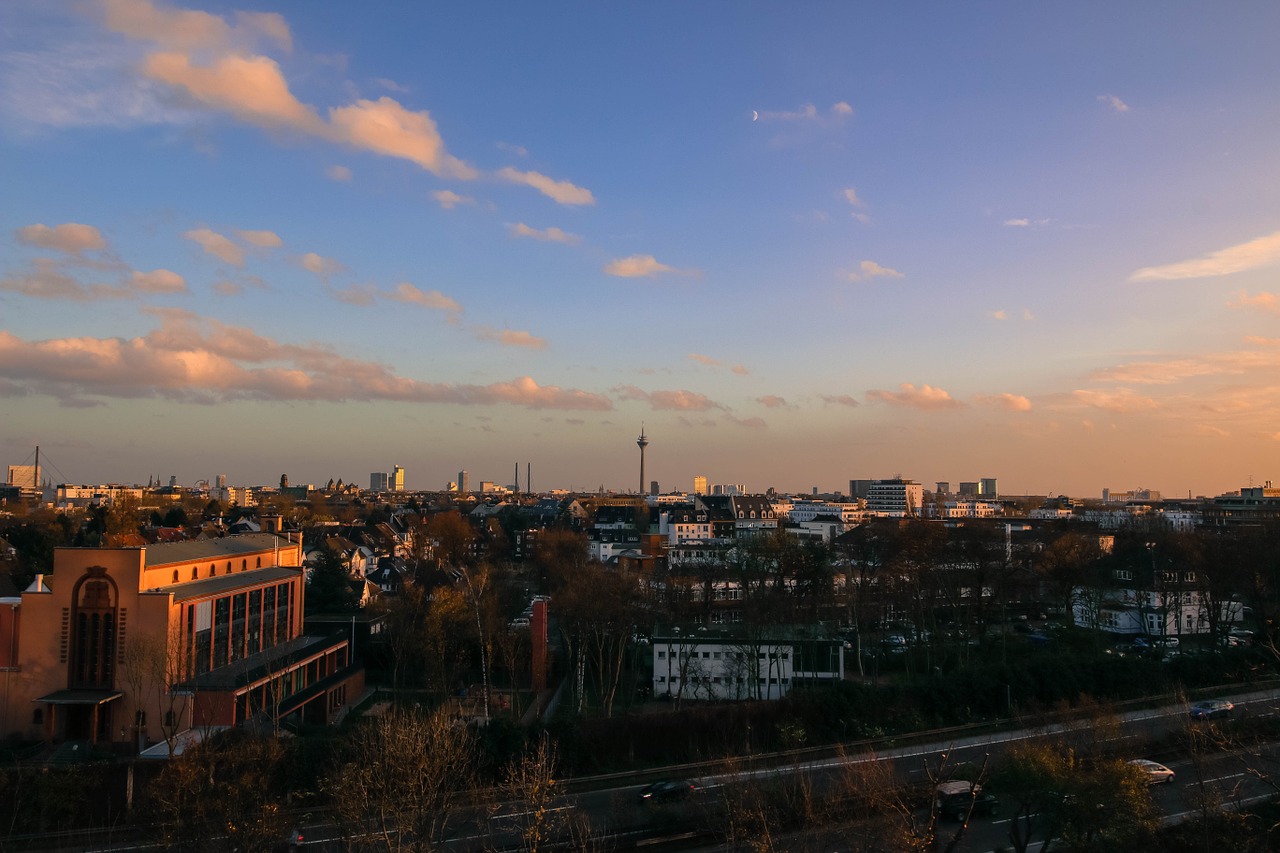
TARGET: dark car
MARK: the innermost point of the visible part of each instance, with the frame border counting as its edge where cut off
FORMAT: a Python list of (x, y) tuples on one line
[(1211, 709), (953, 800), (666, 791)]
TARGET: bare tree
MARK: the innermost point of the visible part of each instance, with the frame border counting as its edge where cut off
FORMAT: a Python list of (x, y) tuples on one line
[(405, 777)]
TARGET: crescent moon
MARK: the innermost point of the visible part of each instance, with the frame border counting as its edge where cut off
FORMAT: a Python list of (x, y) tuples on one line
[(755, 116)]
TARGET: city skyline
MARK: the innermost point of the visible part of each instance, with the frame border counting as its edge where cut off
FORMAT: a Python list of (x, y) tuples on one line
[(1032, 243)]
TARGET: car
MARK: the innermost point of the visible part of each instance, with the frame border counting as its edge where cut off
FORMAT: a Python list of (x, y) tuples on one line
[(958, 799), (519, 622), (293, 842), (1211, 709), (895, 644), (667, 791), (1156, 773)]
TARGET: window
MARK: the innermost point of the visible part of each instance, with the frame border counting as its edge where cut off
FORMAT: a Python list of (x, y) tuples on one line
[(706, 655), (244, 564), (662, 655), (1122, 574), (175, 575), (194, 570)]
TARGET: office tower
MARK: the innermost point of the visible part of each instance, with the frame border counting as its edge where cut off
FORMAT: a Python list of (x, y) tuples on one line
[(987, 487), (397, 479), (463, 485), (700, 485), (653, 487), (378, 481)]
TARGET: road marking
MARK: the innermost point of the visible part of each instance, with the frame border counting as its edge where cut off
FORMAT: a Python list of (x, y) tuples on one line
[(1217, 779)]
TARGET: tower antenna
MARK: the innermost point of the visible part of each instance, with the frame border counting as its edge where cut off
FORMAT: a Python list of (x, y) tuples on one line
[(642, 442)]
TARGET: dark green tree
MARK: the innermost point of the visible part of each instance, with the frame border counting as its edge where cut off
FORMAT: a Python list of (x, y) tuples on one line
[(329, 587)]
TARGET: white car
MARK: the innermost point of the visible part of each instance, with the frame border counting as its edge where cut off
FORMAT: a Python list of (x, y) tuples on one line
[(1156, 773)]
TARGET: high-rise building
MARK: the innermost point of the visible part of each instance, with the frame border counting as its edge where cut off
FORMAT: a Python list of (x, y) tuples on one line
[(859, 488), (700, 485), (942, 489), (220, 481), (378, 481), (653, 487), (987, 487), (896, 498), (22, 476), (463, 485), (397, 479), (968, 489)]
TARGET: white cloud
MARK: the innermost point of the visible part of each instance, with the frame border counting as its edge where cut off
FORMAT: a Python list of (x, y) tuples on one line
[(550, 235), (338, 173), (868, 270), (1262, 252), (808, 112), (1018, 223), (1115, 103), (69, 237)]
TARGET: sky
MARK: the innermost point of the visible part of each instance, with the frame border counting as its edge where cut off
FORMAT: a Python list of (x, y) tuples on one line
[(796, 244)]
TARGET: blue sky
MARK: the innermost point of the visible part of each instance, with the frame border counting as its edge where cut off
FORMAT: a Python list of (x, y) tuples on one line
[(800, 243)]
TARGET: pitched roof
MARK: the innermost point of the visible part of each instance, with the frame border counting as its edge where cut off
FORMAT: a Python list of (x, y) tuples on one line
[(162, 554)]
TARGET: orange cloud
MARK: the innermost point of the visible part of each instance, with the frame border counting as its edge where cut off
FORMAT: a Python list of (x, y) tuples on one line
[(550, 235), (510, 337), (868, 270), (772, 401), (433, 299), (320, 265), (69, 237), (638, 266), (687, 401), (738, 369), (261, 239), (189, 29), (47, 279), (562, 192), (1012, 402), (385, 127), (251, 88), (1262, 252), (925, 397), (1121, 401), (1263, 301), (199, 360), (448, 199), (217, 245)]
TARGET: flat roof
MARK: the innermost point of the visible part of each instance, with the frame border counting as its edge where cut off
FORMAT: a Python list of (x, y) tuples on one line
[(273, 661), (80, 697), (187, 590), (196, 550)]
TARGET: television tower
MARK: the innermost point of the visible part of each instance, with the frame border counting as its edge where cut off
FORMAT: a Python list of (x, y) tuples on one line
[(642, 442)]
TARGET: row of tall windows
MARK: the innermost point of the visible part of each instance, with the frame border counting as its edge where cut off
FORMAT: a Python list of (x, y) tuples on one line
[(226, 629)]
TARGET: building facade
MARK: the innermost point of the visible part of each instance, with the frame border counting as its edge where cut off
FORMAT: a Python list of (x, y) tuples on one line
[(136, 645)]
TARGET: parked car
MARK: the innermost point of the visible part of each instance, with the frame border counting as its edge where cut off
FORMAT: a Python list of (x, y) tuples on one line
[(895, 644), (1156, 773), (519, 622), (954, 799), (1211, 709), (667, 791)]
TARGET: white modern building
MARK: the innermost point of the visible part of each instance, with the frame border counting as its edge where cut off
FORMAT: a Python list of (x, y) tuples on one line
[(895, 498), (698, 663)]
